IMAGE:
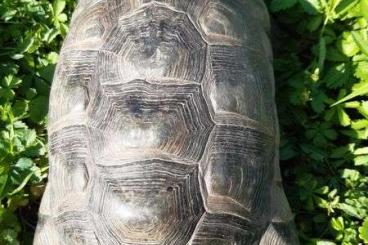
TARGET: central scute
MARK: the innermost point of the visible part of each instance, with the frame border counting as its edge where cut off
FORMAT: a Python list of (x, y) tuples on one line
[(144, 120), (157, 43), (162, 209)]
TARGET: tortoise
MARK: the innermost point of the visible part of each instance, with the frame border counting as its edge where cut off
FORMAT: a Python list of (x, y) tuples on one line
[(163, 128)]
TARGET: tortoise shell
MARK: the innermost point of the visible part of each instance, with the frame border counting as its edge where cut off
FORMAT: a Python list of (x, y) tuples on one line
[(163, 128)]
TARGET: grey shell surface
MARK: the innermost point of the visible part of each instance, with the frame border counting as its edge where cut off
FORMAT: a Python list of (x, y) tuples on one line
[(163, 128)]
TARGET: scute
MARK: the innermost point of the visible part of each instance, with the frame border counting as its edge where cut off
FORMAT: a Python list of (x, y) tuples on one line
[(74, 228), (239, 81), (280, 233), (74, 73), (70, 171), (236, 173), (162, 209), (88, 27), (138, 120), (222, 229), (46, 232), (157, 42)]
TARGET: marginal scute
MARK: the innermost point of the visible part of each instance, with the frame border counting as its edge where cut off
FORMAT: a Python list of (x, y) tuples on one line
[(88, 27), (45, 208), (69, 143), (223, 229), (148, 202), (72, 78), (138, 119), (70, 171), (281, 211), (280, 234), (46, 232), (157, 42), (236, 173), (74, 227)]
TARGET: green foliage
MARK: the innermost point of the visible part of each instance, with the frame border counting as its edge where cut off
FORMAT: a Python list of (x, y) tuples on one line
[(30, 35), (321, 68)]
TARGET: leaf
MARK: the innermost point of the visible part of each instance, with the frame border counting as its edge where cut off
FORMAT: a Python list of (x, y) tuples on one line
[(338, 76), (335, 54), (347, 44), (337, 223), (314, 152), (6, 93), (361, 151), (24, 164), (50, 35), (343, 117), (26, 45), (363, 109), (351, 174), (314, 23), (318, 101), (356, 134), (312, 6), (350, 210), (62, 17), (361, 160), (53, 57), (11, 81), (47, 73), (20, 108), (30, 137), (38, 109), (364, 8), (344, 6), (63, 29), (21, 173), (31, 93), (58, 7), (277, 5), (358, 90), (361, 43), (359, 124), (35, 150), (322, 242), (361, 70), (22, 184), (287, 152), (363, 231), (3, 179), (339, 152)]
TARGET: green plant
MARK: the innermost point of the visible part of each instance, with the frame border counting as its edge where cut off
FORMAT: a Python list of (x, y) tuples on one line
[(321, 68), (30, 36)]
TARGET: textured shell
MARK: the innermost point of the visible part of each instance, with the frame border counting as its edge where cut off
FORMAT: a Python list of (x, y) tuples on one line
[(163, 128)]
